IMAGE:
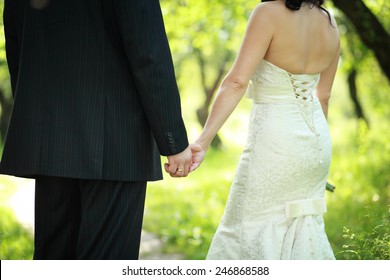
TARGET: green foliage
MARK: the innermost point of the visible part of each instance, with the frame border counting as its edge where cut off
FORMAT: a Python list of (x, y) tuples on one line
[(214, 27), (208, 32), (15, 241), (4, 75), (373, 244), (381, 8), (358, 220)]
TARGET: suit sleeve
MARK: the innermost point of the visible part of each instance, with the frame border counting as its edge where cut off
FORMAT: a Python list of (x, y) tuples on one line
[(10, 19), (145, 42)]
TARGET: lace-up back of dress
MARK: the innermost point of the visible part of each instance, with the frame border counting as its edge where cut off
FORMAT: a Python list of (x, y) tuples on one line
[(271, 84), (304, 87)]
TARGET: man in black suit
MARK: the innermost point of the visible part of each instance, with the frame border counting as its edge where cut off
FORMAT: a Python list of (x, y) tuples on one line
[(95, 105)]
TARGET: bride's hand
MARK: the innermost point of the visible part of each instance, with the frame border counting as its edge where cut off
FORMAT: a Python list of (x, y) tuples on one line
[(198, 154)]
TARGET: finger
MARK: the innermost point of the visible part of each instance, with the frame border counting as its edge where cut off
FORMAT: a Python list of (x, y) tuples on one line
[(186, 170), (181, 171), (177, 175), (194, 166), (172, 168), (166, 167)]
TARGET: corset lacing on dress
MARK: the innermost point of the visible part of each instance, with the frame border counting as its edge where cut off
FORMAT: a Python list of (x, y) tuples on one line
[(303, 87)]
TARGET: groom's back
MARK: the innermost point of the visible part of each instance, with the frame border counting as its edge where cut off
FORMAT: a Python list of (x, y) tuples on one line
[(64, 45), (77, 110)]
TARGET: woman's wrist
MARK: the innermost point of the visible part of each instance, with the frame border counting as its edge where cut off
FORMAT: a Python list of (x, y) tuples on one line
[(204, 144)]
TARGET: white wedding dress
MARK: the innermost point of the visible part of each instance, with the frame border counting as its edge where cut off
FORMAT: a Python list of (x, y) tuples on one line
[(276, 202)]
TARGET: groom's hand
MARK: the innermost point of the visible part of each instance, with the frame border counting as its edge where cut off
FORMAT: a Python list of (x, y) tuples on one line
[(179, 165)]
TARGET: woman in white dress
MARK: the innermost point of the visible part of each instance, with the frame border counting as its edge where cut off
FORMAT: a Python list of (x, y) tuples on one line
[(289, 58)]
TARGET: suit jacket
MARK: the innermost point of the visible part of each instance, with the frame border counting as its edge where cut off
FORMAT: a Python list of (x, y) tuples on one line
[(87, 106)]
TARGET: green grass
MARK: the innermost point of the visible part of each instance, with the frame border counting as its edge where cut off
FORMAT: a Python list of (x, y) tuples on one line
[(15, 241), (358, 222)]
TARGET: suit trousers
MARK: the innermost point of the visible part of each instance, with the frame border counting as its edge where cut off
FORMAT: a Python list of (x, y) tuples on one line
[(87, 219)]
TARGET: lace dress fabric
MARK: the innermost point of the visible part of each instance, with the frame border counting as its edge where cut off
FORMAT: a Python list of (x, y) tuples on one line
[(276, 203)]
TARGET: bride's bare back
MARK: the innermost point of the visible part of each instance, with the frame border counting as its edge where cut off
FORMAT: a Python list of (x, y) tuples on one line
[(304, 41)]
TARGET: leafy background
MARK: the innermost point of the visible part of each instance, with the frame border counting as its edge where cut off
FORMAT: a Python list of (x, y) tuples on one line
[(204, 37)]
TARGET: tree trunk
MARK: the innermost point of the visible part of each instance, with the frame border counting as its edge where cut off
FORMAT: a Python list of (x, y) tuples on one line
[(354, 95), (203, 112), (370, 30)]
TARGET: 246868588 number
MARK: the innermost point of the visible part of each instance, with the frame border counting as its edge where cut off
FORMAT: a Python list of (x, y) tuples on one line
[(242, 271)]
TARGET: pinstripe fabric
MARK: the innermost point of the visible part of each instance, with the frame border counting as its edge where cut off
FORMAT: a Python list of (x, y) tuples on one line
[(87, 219), (83, 109)]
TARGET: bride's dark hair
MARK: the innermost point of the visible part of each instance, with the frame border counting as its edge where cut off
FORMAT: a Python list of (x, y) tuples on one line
[(296, 5)]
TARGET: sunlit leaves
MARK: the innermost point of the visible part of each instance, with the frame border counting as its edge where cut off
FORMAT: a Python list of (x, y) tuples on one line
[(211, 27)]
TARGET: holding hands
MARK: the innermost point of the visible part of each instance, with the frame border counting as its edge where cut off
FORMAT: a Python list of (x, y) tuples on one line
[(180, 165), (229, 95)]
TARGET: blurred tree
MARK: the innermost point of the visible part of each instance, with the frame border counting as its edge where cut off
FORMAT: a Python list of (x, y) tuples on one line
[(354, 52), (371, 31), (209, 33)]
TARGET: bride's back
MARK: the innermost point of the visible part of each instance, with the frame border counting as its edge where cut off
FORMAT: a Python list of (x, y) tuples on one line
[(304, 41)]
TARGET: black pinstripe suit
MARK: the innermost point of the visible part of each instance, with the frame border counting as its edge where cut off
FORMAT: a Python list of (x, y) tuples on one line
[(87, 106)]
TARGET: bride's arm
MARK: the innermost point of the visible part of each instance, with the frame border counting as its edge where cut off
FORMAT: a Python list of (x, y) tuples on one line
[(257, 38)]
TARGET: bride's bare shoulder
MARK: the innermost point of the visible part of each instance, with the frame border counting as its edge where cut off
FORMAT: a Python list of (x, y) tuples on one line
[(269, 9)]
